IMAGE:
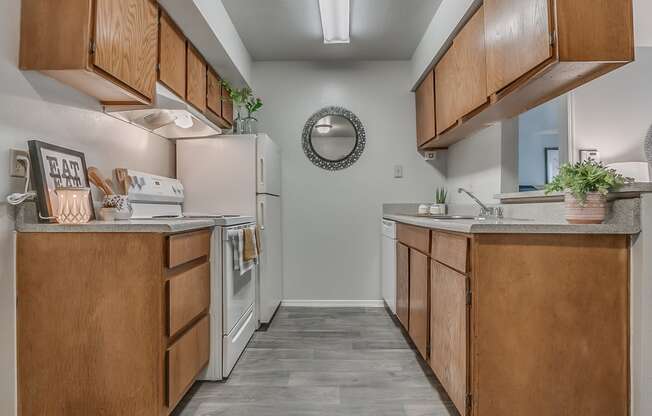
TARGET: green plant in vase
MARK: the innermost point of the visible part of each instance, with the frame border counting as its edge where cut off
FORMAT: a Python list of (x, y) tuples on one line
[(439, 207), (239, 97), (586, 185), (252, 105)]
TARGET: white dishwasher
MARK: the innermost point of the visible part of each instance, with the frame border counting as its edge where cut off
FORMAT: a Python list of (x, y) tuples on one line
[(389, 263)]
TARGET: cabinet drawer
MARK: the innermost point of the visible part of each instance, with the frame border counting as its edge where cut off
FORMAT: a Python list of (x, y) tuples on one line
[(185, 359), (188, 296), (415, 237), (451, 250), (186, 247)]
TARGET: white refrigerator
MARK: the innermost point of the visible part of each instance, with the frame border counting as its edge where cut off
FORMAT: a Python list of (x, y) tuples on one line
[(240, 175)]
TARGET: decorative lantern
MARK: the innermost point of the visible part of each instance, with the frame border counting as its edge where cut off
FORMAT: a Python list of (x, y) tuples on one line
[(73, 206)]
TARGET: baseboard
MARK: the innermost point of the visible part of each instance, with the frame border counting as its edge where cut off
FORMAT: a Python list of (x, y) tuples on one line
[(319, 303)]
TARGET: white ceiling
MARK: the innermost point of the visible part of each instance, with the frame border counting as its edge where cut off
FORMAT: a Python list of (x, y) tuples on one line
[(291, 29)]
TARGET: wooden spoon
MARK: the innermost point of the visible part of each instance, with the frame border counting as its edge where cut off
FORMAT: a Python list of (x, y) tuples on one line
[(97, 179)]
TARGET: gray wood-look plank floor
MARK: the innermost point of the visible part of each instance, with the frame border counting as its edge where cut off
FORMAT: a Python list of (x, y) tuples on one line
[(324, 362)]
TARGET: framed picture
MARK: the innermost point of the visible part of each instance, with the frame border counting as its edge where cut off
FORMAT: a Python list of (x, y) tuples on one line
[(55, 167), (552, 163)]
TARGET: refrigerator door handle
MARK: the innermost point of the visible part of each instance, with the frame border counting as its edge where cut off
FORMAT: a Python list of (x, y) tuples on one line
[(262, 171), (262, 215)]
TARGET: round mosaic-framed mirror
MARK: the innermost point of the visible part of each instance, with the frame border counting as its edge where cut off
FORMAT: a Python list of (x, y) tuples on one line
[(333, 138)]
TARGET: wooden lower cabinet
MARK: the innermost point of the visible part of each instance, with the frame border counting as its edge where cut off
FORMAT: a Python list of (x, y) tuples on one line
[(449, 332), (186, 358), (419, 278), (403, 284), (538, 324), (94, 315)]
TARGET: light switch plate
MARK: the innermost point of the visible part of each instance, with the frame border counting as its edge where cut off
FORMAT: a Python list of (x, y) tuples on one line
[(17, 167), (398, 171)]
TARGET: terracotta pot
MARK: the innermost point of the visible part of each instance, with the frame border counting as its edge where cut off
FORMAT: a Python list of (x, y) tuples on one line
[(592, 211)]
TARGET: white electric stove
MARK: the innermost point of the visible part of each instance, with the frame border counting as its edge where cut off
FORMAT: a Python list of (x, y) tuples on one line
[(233, 296)]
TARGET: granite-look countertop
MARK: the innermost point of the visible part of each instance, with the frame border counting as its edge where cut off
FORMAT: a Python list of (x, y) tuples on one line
[(515, 226), (126, 226)]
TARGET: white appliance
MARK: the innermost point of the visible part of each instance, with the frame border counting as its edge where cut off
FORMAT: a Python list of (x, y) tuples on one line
[(240, 174), (170, 116), (233, 296), (389, 263), (233, 321)]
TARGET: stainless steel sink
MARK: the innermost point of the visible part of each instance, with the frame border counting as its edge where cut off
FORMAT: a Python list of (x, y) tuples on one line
[(449, 217)]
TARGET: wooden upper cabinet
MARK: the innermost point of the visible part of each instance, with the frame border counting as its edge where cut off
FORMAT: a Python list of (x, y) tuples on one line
[(104, 48), (471, 64), (518, 39), (403, 284), (419, 301), (590, 31), (449, 332), (213, 93), (172, 56), (126, 39), (425, 108), (536, 50), (196, 85), (461, 75), (447, 90), (227, 107)]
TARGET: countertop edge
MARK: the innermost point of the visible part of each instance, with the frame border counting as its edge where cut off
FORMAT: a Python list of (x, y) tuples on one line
[(481, 227), (128, 226)]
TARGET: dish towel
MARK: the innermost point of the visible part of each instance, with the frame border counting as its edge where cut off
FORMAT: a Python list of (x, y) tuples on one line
[(250, 252), (237, 240)]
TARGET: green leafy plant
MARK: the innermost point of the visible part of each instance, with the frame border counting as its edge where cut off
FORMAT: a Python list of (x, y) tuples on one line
[(243, 97), (440, 195), (253, 105), (239, 96), (586, 177)]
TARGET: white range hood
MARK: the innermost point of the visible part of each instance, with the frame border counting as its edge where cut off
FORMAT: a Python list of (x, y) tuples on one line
[(170, 117)]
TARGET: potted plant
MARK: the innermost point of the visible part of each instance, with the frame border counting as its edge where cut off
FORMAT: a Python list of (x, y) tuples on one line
[(252, 105), (439, 207), (242, 100), (586, 185)]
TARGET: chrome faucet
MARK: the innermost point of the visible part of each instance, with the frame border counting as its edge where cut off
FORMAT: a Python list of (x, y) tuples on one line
[(485, 211)]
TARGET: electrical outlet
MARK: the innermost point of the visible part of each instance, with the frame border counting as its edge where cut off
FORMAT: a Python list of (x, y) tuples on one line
[(398, 171), (17, 167)]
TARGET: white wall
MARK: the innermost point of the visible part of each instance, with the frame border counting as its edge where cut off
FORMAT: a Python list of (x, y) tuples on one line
[(331, 220), (614, 112), (476, 165), (33, 106)]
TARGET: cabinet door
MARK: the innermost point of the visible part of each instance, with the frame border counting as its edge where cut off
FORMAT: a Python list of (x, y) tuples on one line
[(517, 37), (446, 92), (461, 75), (196, 84), (419, 301), (425, 108), (470, 55), (126, 40), (448, 331), (172, 57), (403, 284), (213, 93)]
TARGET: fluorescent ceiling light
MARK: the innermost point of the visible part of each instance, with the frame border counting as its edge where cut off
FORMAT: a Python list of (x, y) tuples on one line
[(335, 20)]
